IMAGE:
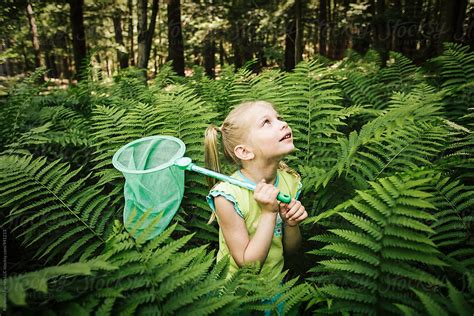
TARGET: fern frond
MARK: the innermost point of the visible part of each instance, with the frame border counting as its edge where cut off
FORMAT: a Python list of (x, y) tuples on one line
[(17, 286), (313, 110), (400, 73), (69, 218), (383, 248)]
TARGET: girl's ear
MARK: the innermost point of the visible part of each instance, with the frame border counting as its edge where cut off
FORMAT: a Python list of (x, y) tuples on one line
[(243, 153)]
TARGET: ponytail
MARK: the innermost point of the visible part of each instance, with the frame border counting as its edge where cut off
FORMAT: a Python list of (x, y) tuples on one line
[(211, 153), (211, 157), (284, 167)]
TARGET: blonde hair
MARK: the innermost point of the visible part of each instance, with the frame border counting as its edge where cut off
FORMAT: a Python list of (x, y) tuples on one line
[(232, 133)]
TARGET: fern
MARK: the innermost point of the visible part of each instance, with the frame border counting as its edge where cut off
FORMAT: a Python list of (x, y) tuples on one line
[(455, 69), (61, 216), (400, 74), (186, 118), (247, 86), (17, 111), (313, 112), (383, 252), (157, 277), (454, 201), (18, 286), (434, 305), (459, 155), (391, 142), (363, 90)]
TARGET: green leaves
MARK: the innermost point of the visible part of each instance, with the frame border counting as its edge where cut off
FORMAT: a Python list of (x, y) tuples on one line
[(153, 276), (61, 216), (18, 286), (382, 247)]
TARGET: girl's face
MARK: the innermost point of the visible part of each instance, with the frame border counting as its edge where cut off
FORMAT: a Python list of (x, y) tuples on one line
[(268, 136)]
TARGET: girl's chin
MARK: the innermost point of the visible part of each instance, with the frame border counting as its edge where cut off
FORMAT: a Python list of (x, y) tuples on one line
[(290, 148)]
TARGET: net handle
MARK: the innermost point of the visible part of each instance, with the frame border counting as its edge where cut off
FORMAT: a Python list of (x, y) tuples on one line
[(185, 163)]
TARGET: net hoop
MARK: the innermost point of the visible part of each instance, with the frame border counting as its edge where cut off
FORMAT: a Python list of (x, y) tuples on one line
[(180, 153)]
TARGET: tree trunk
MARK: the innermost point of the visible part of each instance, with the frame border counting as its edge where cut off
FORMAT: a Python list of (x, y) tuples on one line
[(142, 12), (299, 30), (145, 34), (54, 67), (221, 54), (290, 35), (67, 59), (330, 40), (151, 29), (24, 52), (4, 47), (342, 37), (395, 41), (130, 32), (449, 12), (78, 35), (122, 55), (469, 37), (107, 65), (210, 55), (34, 34), (322, 26), (155, 61), (459, 20), (175, 37), (99, 71), (236, 46), (380, 32)]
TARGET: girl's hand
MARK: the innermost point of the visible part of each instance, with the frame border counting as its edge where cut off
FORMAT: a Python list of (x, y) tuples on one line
[(293, 213), (265, 195)]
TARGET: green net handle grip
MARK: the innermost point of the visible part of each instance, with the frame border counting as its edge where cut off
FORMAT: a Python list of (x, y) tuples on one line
[(186, 164), (285, 198)]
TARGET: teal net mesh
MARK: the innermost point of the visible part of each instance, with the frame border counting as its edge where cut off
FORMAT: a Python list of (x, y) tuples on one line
[(153, 185)]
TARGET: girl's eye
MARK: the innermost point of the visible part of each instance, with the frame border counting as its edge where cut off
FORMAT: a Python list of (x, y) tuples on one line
[(266, 121)]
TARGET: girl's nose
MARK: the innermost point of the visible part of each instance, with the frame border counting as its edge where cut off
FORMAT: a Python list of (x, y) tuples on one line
[(284, 124)]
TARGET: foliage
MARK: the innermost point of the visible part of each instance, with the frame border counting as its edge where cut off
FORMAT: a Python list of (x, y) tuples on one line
[(138, 277), (385, 154)]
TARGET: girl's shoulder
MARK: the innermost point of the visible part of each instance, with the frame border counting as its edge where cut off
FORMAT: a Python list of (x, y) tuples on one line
[(230, 192), (292, 180), (222, 185), (289, 172)]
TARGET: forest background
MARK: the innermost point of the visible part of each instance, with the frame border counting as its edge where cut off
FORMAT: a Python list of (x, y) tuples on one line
[(146, 34)]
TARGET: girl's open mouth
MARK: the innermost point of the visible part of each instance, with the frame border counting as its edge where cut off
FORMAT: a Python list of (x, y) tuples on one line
[(287, 136)]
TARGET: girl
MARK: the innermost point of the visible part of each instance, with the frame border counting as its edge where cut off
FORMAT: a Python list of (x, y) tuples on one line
[(254, 228)]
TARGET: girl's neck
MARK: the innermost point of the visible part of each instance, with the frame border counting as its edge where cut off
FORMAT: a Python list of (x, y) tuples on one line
[(257, 172)]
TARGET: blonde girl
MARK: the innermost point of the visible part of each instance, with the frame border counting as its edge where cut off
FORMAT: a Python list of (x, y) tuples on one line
[(254, 228)]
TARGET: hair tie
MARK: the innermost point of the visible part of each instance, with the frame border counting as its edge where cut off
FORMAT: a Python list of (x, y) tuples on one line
[(218, 129)]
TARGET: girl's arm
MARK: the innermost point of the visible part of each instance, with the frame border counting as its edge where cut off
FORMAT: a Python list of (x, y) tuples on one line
[(292, 214), (291, 239), (243, 249)]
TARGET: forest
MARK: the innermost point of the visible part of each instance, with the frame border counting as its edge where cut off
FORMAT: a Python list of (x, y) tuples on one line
[(379, 95)]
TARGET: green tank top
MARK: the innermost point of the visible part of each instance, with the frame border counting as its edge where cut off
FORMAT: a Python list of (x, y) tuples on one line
[(247, 208)]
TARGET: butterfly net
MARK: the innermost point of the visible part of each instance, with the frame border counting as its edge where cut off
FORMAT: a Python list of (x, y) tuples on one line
[(154, 186)]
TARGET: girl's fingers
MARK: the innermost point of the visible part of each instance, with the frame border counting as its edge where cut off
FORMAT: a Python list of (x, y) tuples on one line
[(274, 193), (260, 186), (292, 203), (293, 209), (299, 215), (270, 192), (301, 218)]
